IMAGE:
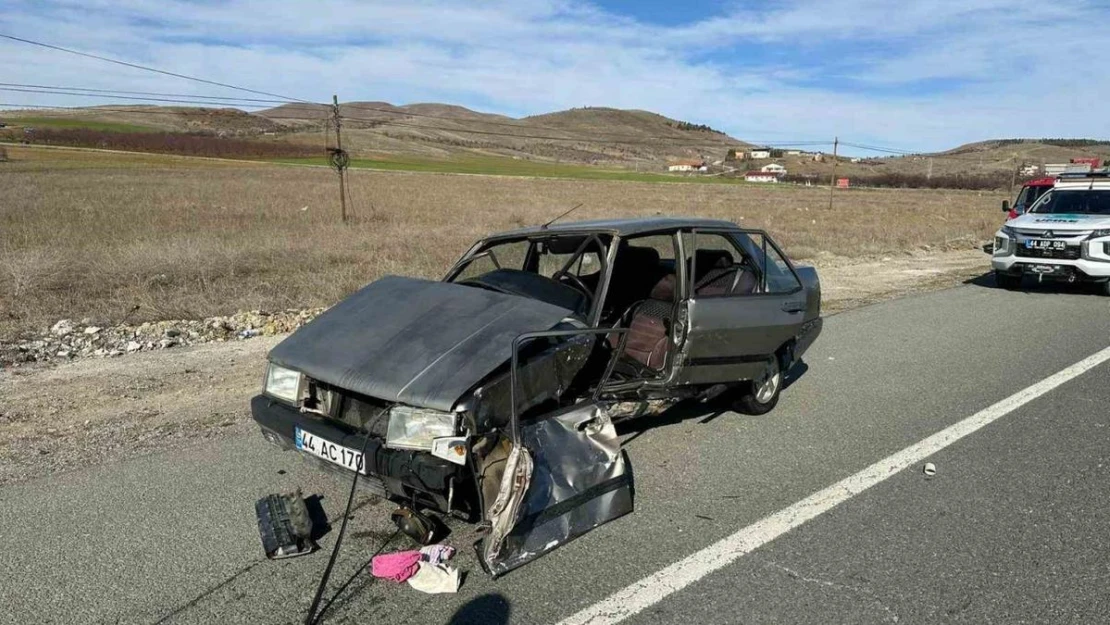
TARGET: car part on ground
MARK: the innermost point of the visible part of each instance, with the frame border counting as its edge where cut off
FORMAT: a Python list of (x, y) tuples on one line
[(285, 526)]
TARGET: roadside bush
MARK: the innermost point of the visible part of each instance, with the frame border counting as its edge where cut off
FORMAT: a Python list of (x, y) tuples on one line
[(976, 182)]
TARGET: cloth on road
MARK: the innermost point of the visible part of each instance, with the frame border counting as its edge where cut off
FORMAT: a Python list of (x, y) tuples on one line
[(398, 566), (437, 554), (435, 578)]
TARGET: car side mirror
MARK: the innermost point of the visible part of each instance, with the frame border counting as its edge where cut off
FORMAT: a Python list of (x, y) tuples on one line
[(1005, 206)]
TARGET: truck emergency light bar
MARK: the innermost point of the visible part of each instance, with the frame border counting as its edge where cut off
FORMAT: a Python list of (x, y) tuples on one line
[(1080, 175)]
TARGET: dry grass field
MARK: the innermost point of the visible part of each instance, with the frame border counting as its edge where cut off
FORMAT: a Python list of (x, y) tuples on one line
[(85, 234)]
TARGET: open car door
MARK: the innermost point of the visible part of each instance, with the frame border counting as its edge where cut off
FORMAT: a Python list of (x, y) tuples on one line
[(565, 475)]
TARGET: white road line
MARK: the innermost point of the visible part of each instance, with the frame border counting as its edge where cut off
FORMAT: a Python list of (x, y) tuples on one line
[(657, 586)]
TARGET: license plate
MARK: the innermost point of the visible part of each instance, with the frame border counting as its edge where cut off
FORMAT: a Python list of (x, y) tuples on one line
[(332, 452), (1045, 244)]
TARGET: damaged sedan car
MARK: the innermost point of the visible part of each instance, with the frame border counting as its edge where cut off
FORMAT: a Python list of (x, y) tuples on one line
[(488, 395)]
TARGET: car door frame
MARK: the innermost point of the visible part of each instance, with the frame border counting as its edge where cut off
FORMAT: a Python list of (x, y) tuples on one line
[(521, 531), (726, 337)]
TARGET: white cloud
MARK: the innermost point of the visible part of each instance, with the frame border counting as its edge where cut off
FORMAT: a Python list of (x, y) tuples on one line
[(922, 75)]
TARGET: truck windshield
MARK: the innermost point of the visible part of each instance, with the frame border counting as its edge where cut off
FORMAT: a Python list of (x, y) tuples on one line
[(1077, 202), (1029, 195)]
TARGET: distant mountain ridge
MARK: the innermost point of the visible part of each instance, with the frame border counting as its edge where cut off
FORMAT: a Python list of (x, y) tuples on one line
[(591, 135)]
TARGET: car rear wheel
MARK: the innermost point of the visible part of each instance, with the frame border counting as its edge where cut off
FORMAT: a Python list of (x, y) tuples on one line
[(761, 395), (1006, 281)]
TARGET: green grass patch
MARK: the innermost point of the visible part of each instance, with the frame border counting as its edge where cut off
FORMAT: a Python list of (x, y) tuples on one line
[(67, 122), (500, 166)]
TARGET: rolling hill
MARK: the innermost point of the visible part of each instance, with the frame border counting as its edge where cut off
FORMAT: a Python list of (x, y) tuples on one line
[(612, 138)]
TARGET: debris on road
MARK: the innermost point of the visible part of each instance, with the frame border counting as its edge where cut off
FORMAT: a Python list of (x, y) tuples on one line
[(397, 566), (68, 339), (285, 526), (929, 469)]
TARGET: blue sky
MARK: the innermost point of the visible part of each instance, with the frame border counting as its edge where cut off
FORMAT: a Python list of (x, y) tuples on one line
[(921, 75)]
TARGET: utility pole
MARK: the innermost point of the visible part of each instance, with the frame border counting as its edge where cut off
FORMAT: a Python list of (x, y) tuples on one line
[(929, 176), (832, 181), (339, 160)]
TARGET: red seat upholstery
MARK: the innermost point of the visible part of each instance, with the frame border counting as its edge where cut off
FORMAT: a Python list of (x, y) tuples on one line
[(649, 340)]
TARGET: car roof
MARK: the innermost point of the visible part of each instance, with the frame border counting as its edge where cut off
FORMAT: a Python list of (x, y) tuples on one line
[(622, 227)]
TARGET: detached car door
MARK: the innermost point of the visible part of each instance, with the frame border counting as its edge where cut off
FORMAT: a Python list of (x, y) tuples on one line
[(744, 302), (565, 475)]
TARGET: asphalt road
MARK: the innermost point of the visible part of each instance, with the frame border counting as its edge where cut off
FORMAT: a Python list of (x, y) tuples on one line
[(1014, 527)]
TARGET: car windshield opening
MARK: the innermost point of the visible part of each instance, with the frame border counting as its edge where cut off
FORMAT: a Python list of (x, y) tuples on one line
[(1074, 202), (561, 269)]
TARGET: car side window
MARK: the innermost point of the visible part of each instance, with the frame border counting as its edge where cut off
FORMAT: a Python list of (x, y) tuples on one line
[(780, 279), (716, 266)]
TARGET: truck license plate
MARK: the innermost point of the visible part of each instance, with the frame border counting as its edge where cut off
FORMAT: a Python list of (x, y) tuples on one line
[(332, 452), (1045, 244)]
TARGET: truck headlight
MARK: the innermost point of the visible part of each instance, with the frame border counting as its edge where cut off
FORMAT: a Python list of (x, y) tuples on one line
[(1100, 233), (414, 428), (283, 384)]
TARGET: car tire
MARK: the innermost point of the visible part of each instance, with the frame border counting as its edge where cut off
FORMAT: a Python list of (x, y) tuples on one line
[(1006, 281), (760, 396)]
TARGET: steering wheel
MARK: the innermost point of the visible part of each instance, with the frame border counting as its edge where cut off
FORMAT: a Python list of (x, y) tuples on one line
[(576, 282)]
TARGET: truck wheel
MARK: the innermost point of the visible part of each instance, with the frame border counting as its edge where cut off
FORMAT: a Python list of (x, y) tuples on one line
[(1006, 281), (760, 396)]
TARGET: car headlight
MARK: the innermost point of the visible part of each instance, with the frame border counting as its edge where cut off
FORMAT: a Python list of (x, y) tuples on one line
[(283, 384), (415, 428)]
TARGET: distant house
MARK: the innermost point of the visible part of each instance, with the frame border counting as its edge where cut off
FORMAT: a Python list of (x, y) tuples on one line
[(1030, 170), (773, 168), (793, 152), (761, 153), (687, 165), (818, 157), (761, 176)]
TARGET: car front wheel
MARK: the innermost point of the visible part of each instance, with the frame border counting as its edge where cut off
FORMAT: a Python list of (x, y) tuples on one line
[(762, 394)]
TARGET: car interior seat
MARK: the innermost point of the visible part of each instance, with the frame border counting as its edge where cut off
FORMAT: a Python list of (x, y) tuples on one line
[(717, 274), (635, 271), (649, 331)]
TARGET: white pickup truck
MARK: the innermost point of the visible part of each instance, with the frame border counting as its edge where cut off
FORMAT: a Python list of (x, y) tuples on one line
[(1064, 236)]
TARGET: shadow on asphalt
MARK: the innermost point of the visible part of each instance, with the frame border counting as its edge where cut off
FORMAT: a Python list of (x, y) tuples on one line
[(704, 412), (200, 597), (489, 609), (1030, 285)]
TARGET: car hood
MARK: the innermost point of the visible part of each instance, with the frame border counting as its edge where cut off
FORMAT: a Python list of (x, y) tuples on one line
[(1061, 222), (412, 341)]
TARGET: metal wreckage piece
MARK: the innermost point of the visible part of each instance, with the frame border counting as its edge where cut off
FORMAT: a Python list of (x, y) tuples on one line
[(565, 475)]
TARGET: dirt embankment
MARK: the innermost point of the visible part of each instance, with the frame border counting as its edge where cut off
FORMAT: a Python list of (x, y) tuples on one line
[(93, 410)]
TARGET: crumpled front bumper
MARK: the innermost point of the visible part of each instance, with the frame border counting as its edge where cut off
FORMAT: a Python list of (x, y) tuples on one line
[(393, 473)]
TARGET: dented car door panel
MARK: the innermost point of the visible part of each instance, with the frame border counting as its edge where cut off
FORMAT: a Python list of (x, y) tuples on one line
[(569, 475), (732, 338)]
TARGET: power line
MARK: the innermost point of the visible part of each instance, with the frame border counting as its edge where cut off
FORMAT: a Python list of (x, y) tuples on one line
[(148, 69), (153, 93), (136, 98)]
